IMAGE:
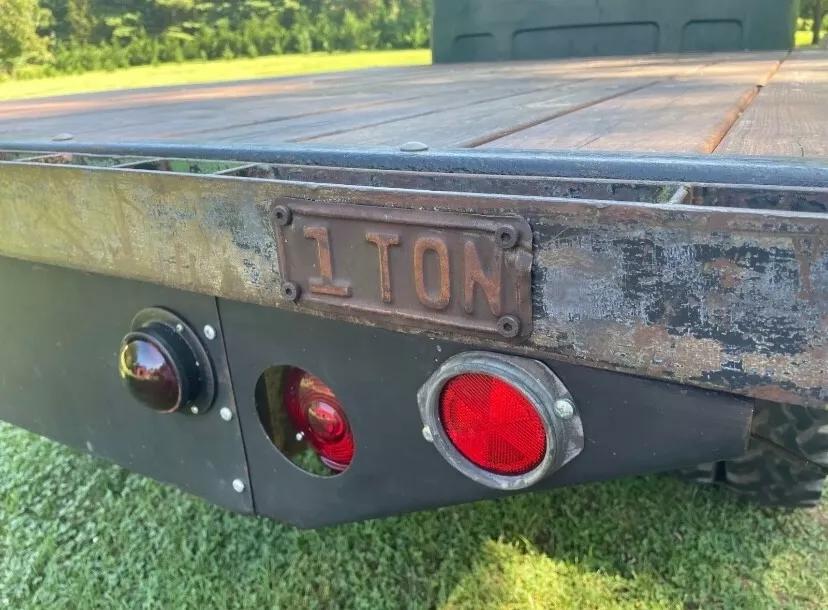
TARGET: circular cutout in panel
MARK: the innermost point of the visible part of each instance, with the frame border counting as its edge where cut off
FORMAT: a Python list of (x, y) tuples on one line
[(304, 420)]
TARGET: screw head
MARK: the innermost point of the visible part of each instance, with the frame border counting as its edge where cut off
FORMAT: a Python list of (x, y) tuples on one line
[(299, 436), (507, 237), (226, 413), (282, 215), (179, 328), (62, 137), (427, 434), (508, 326), (209, 332), (414, 147), (238, 485), (564, 408), (290, 291), (194, 410)]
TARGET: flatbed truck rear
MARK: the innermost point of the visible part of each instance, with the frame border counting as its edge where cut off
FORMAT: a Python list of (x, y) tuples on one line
[(343, 296)]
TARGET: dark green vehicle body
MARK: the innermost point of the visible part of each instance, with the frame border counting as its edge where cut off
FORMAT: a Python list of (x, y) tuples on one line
[(499, 30)]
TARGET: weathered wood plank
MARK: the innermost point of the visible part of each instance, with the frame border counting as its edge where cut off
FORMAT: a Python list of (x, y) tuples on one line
[(466, 126), (192, 113), (343, 120), (688, 114), (789, 116)]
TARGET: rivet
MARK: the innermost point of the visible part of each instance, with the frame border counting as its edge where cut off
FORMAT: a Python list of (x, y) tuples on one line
[(226, 413), (282, 215), (290, 291), (508, 326), (238, 485), (507, 237), (209, 332)]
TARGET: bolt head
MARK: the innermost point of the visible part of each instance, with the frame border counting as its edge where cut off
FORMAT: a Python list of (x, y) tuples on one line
[(300, 436), (194, 410), (226, 413), (427, 434), (179, 328), (209, 332), (238, 485), (564, 408), (414, 147)]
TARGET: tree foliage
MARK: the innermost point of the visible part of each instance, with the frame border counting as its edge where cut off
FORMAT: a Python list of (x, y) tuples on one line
[(19, 39), (102, 34)]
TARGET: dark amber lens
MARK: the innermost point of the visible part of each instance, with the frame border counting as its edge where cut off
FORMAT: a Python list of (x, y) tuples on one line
[(149, 375)]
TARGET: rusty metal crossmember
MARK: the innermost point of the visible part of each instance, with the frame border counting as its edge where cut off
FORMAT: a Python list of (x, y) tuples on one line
[(719, 285)]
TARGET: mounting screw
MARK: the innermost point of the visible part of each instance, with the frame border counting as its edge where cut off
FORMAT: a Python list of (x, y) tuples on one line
[(194, 410), (427, 434), (507, 237), (414, 147), (290, 291), (238, 485), (300, 436), (226, 413), (283, 215), (209, 332), (508, 326), (179, 328), (564, 408), (62, 137)]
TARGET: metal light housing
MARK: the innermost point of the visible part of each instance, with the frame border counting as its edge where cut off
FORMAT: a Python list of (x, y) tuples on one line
[(539, 385)]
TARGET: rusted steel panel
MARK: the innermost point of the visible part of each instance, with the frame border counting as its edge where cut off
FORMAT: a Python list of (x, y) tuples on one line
[(532, 186), (710, 297), (209, 236), (733, 299)]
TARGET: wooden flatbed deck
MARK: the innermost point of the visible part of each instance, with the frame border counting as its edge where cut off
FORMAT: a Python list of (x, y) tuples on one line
[(748, 103)]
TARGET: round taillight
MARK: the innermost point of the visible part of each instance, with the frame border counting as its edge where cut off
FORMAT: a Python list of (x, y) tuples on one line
[(151, 374), (317, 414), (492, 424), (164, 366), (503, 421)]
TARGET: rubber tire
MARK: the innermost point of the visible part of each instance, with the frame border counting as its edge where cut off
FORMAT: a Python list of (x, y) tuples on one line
[(786, 461)]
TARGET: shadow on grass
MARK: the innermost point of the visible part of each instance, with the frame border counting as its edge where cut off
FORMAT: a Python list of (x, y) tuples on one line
[(83, 534)]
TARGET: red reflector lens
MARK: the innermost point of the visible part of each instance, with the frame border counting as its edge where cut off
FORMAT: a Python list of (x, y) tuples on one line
[(316, 413), (492, 424)]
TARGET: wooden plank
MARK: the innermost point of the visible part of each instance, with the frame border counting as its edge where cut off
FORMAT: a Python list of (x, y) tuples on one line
[(688, 114), (196, 113), (264, 119), (387, 80), (466, 126), (789, 116), (349, 119)]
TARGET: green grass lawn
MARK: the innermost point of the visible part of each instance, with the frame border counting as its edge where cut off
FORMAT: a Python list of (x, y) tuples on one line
[(204, 72), (76, 532)]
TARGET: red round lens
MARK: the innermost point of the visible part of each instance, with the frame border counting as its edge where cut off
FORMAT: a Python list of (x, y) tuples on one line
[(149, 375), (316, 413), (492, 424)]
